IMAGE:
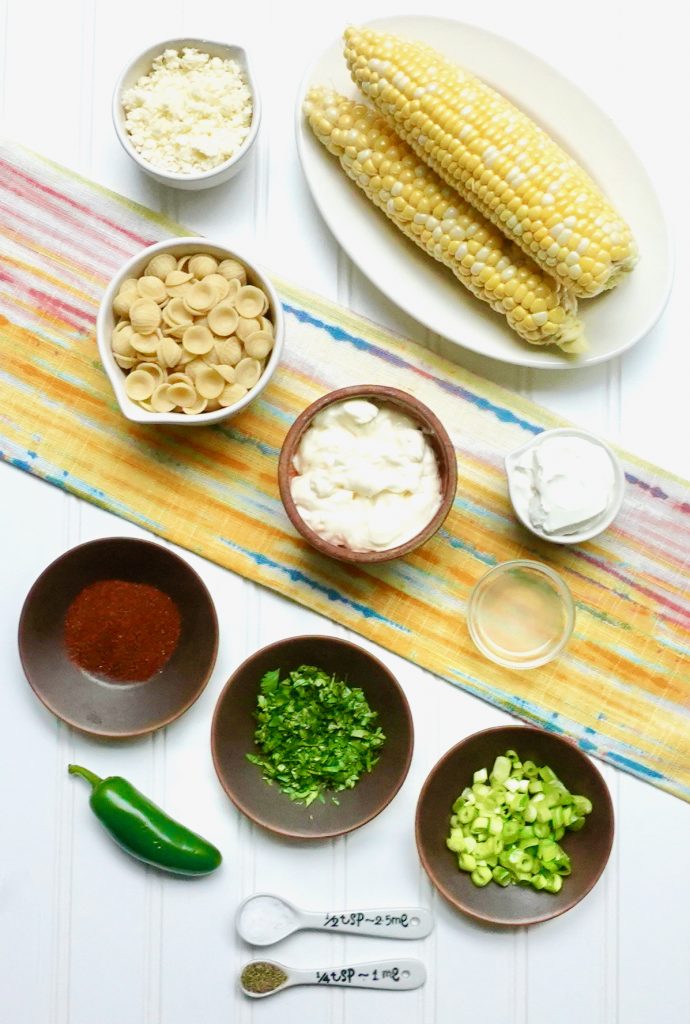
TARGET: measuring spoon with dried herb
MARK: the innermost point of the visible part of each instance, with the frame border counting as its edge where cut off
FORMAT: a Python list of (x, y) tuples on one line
[(261, 978)]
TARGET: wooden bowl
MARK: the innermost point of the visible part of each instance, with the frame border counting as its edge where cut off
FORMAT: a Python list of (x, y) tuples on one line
[(588, 849), (232, 738), (111, 709), (437, 436)]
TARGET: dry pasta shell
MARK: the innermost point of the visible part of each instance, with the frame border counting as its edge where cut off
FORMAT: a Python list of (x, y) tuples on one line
[(234, 287), (145, 316), (151, 287), (220, 284), (180, 378), (160, 265), (120, 341), (226, 372), (266, 325), (231, 394), (192, 369), (145, 344), (208, 382), (125, 362), (182, 394), (155, 370), (175, 332), (197, 339), (201, 264), (200, 298), (251, 301), (168, 352), (139, 385), (246, 327), (122, 302), (232, 269), (199, 406), (247, 372), (177, 283), (229, 351), (176, 313), (223, 319), (160, 400), (258, 345), (186, 358), (212, 405), (147, 406)]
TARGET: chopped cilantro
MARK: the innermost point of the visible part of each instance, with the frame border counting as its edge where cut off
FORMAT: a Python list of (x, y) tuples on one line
[(314, 734)]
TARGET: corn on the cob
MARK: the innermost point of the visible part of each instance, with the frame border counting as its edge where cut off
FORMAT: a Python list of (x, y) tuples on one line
[(497, 158), (442, 223)]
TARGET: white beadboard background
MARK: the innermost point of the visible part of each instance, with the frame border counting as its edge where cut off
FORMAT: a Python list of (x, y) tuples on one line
[(88, 936)]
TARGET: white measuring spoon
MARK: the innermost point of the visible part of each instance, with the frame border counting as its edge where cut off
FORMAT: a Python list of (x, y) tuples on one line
[(384, 974), (388, 922)]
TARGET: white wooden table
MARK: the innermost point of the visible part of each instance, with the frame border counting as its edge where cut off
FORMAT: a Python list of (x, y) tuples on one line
[(87, 935)]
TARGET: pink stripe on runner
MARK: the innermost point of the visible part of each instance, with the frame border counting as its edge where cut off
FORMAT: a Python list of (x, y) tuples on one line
[(80, 270), (656, 492), (41, 187), (49, 304), (684, 613), (71, 240)]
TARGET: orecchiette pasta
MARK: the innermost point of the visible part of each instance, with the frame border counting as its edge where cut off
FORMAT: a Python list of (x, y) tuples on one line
[(191, 335)]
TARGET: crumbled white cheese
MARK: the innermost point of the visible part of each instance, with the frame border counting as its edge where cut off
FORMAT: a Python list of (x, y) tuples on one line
[(190, 113)]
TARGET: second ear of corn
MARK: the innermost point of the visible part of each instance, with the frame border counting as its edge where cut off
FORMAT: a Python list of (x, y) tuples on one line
[(443, 224), (497, 158)]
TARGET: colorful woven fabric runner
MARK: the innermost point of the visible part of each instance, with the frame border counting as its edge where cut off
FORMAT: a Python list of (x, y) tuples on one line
[(622, 689)]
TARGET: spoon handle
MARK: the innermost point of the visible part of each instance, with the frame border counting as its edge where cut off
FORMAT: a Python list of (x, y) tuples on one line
[(385, 974), (388, 922)]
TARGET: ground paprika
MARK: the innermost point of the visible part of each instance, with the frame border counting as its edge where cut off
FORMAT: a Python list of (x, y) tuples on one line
[(122, 631)]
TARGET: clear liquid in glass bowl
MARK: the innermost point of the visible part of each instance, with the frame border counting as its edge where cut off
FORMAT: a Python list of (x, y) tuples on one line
[(521, 614)]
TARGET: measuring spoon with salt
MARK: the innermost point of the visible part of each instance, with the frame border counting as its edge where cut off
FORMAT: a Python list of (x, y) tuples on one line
[(271, 977), (263, 919)]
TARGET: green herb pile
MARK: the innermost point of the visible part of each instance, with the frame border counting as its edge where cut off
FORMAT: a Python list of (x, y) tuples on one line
[(315, 733)]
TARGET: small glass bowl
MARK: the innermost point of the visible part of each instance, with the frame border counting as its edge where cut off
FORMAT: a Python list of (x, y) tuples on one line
[(521, 614)]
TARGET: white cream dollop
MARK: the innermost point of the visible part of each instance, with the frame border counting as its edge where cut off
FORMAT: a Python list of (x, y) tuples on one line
[(367, 478), (563, 484)]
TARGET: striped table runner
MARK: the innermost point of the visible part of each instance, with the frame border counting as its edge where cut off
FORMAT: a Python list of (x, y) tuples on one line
[(621, 690)]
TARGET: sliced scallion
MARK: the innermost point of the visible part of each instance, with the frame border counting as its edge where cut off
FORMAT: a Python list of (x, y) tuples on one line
[(508, 824)]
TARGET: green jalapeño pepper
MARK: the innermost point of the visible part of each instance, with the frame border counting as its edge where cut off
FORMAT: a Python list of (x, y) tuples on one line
[(144, 830)]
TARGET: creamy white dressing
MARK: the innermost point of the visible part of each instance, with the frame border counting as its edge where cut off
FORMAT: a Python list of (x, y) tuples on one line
[(367, 478), (563, 484)]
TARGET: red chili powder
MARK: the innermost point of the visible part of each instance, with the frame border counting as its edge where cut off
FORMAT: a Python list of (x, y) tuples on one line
[(122, 631)]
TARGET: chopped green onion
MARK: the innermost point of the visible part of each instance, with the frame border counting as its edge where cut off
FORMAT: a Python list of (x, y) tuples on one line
[(507, 825), (481, 875), (501, 769)]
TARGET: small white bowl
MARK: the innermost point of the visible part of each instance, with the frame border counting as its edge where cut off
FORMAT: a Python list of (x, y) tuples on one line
[(607, 516), (141, 65), (106, 319)]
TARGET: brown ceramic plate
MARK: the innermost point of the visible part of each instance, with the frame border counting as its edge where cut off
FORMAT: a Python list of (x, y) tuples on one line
[(232, 738), (431, 427), (111, 709), (588, 849)]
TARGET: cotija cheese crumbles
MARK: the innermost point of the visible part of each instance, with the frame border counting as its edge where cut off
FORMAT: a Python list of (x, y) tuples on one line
[(190, 113)]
